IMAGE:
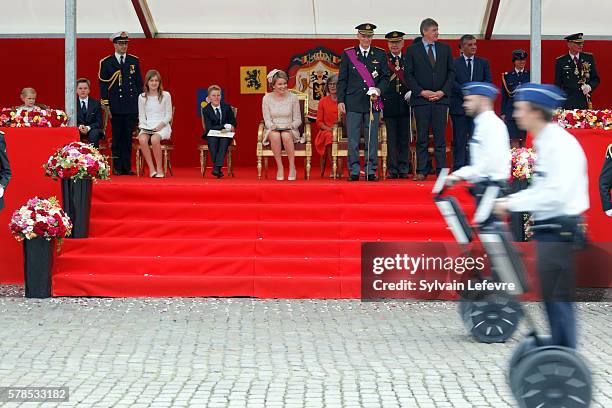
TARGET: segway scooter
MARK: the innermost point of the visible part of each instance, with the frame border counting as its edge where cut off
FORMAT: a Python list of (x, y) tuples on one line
[(489, 316), (540, 374)]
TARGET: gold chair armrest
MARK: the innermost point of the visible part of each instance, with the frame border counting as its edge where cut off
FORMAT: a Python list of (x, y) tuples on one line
[(260, 132), (307, 133), (336, 133), (382, 132)]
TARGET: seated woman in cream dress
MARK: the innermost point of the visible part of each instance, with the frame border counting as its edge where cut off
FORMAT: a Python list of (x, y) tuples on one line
[(154, 117), (282, 119)]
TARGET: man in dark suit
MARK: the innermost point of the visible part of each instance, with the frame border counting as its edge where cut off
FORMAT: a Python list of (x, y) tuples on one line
[(605, 182), (397, 110), (120, 85), (5, 169), (89, 114), (217, 116), (362, 80), (576, 74), (430, 74), (468, 68)]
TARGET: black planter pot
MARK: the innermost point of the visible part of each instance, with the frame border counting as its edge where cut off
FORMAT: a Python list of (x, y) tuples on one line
[(517, 222), (37, 266), (76, 202)]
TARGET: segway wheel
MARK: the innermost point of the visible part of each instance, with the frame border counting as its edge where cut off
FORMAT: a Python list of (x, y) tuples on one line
[(493, 319), (525, 348), (552, 377)]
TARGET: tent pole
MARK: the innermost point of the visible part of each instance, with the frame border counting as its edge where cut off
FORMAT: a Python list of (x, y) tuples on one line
[(536, 41), (70, 61)]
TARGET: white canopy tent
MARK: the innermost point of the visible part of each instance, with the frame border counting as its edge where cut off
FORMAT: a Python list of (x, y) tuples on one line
[(301, 18)]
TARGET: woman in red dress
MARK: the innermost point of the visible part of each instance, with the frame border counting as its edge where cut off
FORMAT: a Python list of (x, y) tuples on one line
[(327, 117)]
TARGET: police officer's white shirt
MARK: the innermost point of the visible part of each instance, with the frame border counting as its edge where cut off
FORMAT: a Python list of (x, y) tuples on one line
[(365, 51), (489, 150), (560, 185)]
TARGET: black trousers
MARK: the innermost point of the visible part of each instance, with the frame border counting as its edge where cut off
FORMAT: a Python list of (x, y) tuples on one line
[(398, 138), (123, 124), (94, 136), (217, 146), (463, 127), (430, 116), (556, 263)]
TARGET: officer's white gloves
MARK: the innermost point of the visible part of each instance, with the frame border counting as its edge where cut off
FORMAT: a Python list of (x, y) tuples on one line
[(1, 191), (408, 95), (373, 91), (228, 127), (586, 89)]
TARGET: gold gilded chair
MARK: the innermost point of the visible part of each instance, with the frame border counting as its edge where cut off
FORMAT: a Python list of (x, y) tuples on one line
[(203, 149), (301, 149), (340, 146), (167, 146)]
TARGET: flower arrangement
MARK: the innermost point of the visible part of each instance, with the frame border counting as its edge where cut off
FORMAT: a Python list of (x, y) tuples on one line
[(77, 160), (584, 119), (35, 118), (523, 160), (40, 218)]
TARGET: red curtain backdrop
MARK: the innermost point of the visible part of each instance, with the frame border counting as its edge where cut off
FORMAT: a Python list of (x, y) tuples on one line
[(189, 64)]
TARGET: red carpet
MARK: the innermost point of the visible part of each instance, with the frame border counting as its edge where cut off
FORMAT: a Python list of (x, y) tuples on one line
[(188, 236)]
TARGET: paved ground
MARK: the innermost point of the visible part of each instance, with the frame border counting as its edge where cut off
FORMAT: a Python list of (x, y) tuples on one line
[(272, 353)]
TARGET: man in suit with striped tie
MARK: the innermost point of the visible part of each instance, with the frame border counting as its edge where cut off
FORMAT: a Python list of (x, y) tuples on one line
[(468, 68), (5, 169)]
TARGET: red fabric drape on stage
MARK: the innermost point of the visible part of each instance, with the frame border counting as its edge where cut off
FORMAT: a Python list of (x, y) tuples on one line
[(28, 149)]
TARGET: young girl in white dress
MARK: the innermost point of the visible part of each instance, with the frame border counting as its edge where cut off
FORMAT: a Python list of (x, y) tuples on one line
[(154, 118)]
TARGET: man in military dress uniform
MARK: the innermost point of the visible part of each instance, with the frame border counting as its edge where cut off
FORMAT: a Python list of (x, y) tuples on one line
[(120, 85), (576, 74), (363, 78), (397, 110), (511, 80), (605, 182)]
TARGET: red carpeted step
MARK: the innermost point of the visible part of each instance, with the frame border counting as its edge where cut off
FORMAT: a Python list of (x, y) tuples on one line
[(108, 284), (268, 212), (187, 236)]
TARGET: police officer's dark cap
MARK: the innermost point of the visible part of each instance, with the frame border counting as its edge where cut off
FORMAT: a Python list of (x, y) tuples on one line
[(366, 28), (395, 36), (519, 55), (577, 38)]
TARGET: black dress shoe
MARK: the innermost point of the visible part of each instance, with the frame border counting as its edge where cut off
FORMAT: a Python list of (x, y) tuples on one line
[(129, 173), (372, 177), (116, 172), (353, 177), (392, 176), (403, 175)]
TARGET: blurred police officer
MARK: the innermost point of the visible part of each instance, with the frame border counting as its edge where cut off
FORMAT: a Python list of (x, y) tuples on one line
[(557, 197), (605, 181), (363, 77), (468, 68), (576, 74), (511, 80), (120, 85), (5, 169), (397, 110), (489, 146)]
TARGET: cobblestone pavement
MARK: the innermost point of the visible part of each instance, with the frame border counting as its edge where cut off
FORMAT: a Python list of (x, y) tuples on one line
[(265, 353)]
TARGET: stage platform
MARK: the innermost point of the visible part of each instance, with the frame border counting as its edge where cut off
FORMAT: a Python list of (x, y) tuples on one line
[(191, 236)]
